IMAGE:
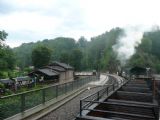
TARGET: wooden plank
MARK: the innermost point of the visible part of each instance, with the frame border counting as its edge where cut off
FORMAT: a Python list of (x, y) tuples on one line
[(133, 87), (123, 104), (121, 113), (138, 93), (133, 102), (92, 118)]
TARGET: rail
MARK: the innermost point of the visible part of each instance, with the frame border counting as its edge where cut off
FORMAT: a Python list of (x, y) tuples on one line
[(14, 104), (86, 102), (157, 91)]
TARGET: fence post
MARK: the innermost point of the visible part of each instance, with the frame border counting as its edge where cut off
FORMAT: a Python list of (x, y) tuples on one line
[(22, 102), (107, 90), (80, 107), (76, 84), (82, 81), (65, 88), (113, 87), (72, 86), (56, 91), (43, 96), (98, 95), (120, 82)]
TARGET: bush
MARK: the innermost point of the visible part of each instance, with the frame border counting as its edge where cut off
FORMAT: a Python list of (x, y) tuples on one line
[(158, 68), (3, 74), (28, 70), (2, 86), (8, 92), (11, 74)]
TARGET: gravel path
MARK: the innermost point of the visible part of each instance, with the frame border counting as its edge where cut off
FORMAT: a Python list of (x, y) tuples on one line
[(70, 110)]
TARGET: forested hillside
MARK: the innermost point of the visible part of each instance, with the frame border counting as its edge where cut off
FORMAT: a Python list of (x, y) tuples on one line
[(7, 57), (148, 52), (83, 54)]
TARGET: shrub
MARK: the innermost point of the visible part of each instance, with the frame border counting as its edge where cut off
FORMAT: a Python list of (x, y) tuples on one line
[(3, 74), (2, 86)]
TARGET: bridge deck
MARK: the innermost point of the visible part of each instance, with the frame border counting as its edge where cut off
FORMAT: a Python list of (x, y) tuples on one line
[(132, 101)]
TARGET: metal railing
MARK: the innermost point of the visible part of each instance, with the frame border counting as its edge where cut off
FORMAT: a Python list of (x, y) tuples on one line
[(14, 104), (157, 91), (86, 102)]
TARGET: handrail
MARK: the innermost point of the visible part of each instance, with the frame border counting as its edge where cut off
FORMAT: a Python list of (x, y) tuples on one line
[(2, 97), (113, 86), (26, 100), (108, 85)]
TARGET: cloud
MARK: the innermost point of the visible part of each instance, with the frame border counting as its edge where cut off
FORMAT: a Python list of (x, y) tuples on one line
[(73, 18)]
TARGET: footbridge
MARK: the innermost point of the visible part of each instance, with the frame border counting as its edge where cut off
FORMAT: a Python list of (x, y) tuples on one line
[(129, 99)]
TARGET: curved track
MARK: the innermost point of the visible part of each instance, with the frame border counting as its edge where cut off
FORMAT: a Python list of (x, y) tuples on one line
[(71, 108)]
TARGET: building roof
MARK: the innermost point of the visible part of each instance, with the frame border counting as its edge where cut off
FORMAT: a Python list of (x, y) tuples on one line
[(57, 68), (23, 78), (6, 81), (48, 72), (64, 65), (138, 70)]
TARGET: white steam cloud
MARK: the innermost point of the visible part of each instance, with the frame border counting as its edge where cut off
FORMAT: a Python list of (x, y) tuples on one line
[(126, 44)]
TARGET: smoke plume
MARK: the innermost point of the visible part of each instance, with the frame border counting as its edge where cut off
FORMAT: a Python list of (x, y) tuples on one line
[(126, 44)]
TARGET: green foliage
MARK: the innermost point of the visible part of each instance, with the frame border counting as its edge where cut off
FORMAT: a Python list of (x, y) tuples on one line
[(82, 42), (58, 46), (28, 70), (65, 57), (41, 56), (158, 67), (2, 86), (94, 54), (3, 35), (76, 58), (148, 53), (3, 74), (23, 54), (100, 49), (8, 92), (7, 57), (11, 105), (146, 45), (12, 74)]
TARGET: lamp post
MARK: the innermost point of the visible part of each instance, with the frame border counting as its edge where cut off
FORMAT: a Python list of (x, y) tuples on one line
[(101, 56), (147, 71), (99, 62)]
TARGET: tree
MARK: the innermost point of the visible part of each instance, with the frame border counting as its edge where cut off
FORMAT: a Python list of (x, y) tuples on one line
[(3, 36), (65, 58), (7, 60), (41, 56), (82, 42), (76, 59), (147, 53), (7, 57), (94, 53)]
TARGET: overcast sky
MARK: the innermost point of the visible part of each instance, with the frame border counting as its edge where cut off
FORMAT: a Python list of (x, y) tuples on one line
[(33, 20)]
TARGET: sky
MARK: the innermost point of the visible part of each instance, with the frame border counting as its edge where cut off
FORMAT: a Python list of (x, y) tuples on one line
[(33, 20)]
